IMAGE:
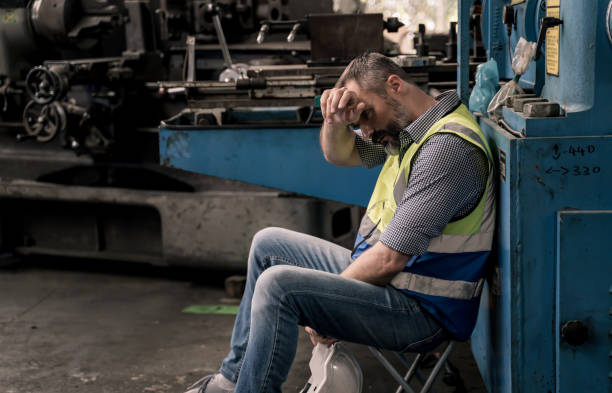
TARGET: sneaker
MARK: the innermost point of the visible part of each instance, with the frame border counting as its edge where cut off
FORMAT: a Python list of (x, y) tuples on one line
[(214, 383)]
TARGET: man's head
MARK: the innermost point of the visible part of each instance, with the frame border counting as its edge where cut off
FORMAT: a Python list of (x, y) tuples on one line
[(387, 91)]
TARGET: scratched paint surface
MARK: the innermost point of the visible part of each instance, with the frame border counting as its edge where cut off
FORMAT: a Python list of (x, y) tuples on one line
[(515, 341)]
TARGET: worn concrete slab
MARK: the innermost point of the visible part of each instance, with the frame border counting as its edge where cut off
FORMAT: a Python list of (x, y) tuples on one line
[(79, 326)]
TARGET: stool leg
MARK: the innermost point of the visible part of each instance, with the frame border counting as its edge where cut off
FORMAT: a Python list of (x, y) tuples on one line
[(437, 367), (412, 367), (382, 359)]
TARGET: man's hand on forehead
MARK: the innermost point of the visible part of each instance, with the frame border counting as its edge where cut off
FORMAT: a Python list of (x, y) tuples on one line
[(341, 106)]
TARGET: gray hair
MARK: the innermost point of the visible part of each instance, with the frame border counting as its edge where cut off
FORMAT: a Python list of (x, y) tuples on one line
[(371, 71)]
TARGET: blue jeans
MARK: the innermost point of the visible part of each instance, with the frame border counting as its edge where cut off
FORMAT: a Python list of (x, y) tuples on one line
[(293, 280)]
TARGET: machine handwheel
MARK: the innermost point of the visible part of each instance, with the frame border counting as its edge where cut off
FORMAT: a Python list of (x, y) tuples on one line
[(44, 121), (43, 85)]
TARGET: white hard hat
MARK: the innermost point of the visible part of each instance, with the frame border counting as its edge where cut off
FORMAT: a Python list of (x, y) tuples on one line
[(334, 370)]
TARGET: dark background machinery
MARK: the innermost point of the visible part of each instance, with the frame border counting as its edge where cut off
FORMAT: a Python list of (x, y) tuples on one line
[(85, 84)]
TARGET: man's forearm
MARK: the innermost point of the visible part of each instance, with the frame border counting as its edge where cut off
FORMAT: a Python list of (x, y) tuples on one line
[(340, 107), (377, 265), (338, 144)]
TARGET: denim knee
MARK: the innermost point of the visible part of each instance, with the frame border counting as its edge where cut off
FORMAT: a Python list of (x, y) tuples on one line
[(265, 238), (261, 240), (262, 236), (273, 280), (272, 284)]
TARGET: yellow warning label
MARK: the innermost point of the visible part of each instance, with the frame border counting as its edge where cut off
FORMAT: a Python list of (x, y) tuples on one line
[(552, 39)]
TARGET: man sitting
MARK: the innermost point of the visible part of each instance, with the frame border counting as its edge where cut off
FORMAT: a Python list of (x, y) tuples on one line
[(414, 276)]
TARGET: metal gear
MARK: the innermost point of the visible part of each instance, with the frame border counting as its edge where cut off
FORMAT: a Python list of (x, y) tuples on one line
[(43, 85), (44, 121)]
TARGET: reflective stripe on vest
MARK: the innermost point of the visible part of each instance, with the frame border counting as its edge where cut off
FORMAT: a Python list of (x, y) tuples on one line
[(369, 231), (457, 289)]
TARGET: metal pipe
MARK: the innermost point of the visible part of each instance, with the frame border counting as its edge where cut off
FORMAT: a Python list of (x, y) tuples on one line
[(412, 367), (162, 15), (405, 362), (191, 58), (438, 366), (222, 42), (192, 84), (376, 352)]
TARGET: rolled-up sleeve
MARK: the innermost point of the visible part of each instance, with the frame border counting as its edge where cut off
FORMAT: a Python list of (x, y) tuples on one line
[(447, 180), (371, 154)]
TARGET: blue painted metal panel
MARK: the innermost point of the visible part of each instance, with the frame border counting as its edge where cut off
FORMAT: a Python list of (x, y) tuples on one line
[(496, 41), (493, 33), (514, 342), (585, 57), (584, 293), (492, 341), (279, 157), (579, 53), (528, 16), (250, 115)]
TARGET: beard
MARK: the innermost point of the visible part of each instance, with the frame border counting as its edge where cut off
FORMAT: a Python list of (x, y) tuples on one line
[(392, 148), (399, 122)]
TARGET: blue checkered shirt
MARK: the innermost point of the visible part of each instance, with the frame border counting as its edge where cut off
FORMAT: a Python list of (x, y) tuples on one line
[(447, 179)]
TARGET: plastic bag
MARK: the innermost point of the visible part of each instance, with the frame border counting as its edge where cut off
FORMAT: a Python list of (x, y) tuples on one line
[(523, 54), (487, 84), (508, 90)]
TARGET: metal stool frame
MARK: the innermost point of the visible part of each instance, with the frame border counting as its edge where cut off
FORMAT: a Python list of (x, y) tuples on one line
[(404, 383)]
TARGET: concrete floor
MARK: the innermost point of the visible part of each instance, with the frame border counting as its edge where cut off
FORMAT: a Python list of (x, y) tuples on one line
[(81, 326)]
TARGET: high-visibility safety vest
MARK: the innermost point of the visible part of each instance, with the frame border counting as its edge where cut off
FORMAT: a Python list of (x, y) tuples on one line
[(447, 279)]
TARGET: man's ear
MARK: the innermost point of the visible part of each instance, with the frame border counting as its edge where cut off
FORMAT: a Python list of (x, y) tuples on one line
[(394, 83)]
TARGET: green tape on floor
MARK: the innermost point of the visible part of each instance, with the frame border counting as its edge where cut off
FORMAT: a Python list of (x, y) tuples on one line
[(219, 309)]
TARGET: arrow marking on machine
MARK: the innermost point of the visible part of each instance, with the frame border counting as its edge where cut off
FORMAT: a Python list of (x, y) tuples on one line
[(576, 170), (563, 171)]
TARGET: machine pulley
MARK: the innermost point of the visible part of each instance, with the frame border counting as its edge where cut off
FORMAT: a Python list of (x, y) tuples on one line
[(44, 121), (44, 85)]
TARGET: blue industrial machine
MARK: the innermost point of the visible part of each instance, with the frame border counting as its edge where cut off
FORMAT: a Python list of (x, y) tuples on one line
[(279, 152), (264, 129), (545, 323)]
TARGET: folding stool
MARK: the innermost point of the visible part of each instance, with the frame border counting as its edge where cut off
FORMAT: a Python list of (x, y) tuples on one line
[(404, 383)]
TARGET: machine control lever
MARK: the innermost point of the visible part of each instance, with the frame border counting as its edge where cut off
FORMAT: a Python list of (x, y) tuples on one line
[(575, 333), (293, 26), (293, 32), (262, 33), (214, 10), (508, 17), (547, 23)]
